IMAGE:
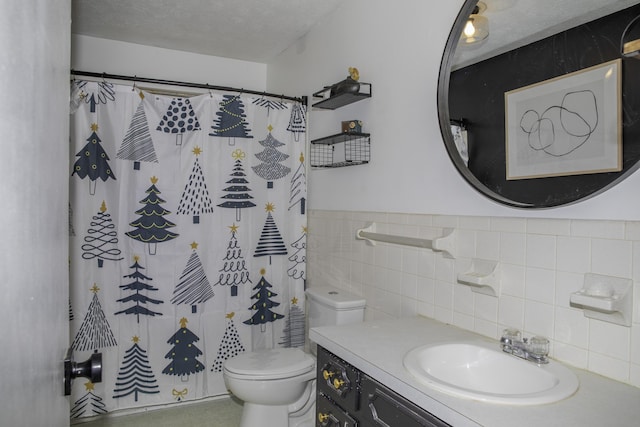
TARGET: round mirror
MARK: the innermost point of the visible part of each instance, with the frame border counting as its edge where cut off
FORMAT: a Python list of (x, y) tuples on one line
[(543, 110)]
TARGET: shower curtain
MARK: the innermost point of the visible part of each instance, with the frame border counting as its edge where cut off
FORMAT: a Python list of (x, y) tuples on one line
[(187, 239)]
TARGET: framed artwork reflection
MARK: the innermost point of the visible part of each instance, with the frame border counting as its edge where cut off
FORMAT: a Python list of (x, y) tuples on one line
[(568, 125)]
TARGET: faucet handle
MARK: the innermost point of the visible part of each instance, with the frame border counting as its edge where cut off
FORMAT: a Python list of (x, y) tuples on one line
[(510, 335), (539, 347)]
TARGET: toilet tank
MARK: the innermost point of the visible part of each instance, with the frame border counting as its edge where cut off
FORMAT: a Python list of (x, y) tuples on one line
[(327, 306)]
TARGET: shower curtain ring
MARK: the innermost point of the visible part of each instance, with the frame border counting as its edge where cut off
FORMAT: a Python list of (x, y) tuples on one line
[(133, 88)]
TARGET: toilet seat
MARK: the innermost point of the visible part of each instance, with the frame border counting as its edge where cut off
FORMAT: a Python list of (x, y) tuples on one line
[(270, 364)]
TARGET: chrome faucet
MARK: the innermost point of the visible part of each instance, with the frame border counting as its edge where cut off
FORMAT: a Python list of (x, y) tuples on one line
[(535, 350)]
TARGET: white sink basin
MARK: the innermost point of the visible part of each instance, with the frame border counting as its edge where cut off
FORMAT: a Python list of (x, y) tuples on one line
[(475, 370)]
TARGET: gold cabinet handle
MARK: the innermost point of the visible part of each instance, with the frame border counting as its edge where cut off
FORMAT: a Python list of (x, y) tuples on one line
[(322, 418), (327, 374)]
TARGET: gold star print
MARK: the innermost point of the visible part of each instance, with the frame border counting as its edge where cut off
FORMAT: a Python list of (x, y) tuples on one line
[(270, 128), (183, 322), (301, 157), (95, 289), (154, 180), (294, 300), (230, 315), (136, 258), (103, 207), (304, 229), (263, 271), (135, 339), (194, 246), (197, 150), (234, 228), (89, 385), (94, 127), (270, 207)]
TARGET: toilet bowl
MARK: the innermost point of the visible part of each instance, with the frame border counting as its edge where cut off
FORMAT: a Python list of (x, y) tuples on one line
[(275, 385), (278, 385)]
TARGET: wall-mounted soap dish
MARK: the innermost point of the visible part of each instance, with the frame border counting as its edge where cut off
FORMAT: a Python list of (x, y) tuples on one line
[(483, 276), (605, 298)]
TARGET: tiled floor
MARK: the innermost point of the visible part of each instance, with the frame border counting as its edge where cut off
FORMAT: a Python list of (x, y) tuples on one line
[(213, 413)]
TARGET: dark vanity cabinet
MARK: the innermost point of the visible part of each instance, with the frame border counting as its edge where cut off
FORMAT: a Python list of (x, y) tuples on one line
[(347, 397)]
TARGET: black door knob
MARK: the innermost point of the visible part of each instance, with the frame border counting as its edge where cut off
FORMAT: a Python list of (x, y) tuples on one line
[(90, 368)]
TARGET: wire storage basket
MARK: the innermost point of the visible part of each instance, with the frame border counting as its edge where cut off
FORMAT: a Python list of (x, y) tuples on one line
[(343, 149)]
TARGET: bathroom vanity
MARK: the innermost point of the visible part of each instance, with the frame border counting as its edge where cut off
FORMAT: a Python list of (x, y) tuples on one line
[(362, 382), (347, 397)]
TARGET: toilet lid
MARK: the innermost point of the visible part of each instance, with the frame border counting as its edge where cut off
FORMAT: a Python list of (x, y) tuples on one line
[(275, 363)]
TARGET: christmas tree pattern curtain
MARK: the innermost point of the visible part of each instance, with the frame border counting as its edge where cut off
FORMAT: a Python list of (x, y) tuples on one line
[(187, 239)]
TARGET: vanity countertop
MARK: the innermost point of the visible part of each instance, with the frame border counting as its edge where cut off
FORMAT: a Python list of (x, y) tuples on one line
[(378, 348)]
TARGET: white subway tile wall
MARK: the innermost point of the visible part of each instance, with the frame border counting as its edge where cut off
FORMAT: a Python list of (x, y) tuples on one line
[(541, 262)]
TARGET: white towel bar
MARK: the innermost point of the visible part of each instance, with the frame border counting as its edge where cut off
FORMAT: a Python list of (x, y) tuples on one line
[(398, 240), (443, 244)]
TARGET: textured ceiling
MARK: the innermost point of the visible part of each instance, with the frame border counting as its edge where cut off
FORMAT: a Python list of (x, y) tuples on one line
[(251, 30), (258, 30)]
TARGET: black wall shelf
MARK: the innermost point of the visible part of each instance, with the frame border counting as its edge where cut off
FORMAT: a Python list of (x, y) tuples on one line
[(347, 148), (356, 150), (341, 99), (340, 137)]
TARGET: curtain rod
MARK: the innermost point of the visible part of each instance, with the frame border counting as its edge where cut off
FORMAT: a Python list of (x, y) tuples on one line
[(207, 86)]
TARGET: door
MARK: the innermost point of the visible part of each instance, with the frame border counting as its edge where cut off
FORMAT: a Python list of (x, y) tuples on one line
[(34, 306)]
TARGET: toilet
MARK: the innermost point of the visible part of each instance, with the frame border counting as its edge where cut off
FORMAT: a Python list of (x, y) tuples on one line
[(278, 385)]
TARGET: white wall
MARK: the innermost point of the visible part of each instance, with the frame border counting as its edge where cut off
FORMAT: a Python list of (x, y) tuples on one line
[(110, 56), (397, 46)]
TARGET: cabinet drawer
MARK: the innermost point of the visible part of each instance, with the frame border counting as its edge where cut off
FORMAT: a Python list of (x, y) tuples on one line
[(338, 380), (382, 407), (328, 414)]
